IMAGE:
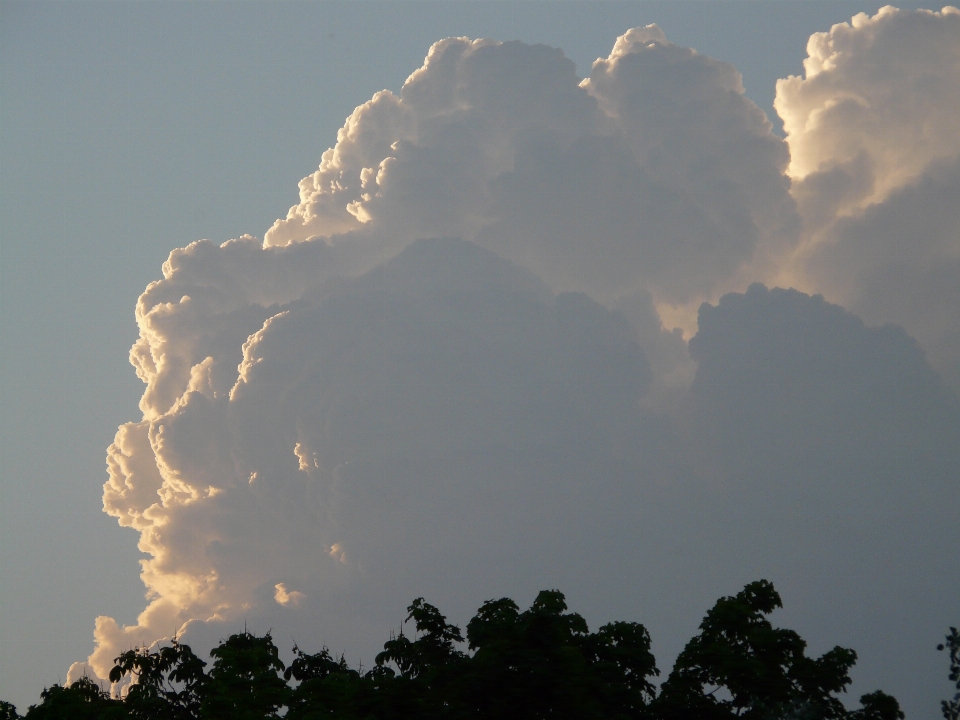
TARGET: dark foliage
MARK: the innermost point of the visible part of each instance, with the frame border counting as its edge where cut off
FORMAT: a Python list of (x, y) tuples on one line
[(246, 680), (540, 663), (544, 663), (741, 666), (167, 683), (878, 706), (951, 708), (82, 700)]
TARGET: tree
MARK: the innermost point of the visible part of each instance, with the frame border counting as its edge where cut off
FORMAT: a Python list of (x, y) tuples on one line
[(433, 648), (878, 706), (167, 683), (82, 700), (245, 682), (544, 662), (951, 708), (533, 665), (620, 654), (326, 688), (428, 667), (740, 666)]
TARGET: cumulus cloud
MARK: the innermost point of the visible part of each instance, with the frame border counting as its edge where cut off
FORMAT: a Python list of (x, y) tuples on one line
[(348, 403), (283, 596), (655, 174), (469, 430), (876, 105), (352, 414), (828, 452), (874, 157), (899, 261)]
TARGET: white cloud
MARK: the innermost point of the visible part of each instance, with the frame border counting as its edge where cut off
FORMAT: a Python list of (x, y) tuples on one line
[(874, 156), (877, 104), (285, 597), (278, 476), (348, 416), (656, 174)]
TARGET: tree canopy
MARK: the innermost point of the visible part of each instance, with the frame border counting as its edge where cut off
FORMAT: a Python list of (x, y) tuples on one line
[(542, 662), (951, 708)]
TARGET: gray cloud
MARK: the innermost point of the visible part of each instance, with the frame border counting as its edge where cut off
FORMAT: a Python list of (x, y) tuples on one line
[(349, 415), (363, 418), (828, 452), (446, 425), (899, 261), (873, 162), (655, 174)]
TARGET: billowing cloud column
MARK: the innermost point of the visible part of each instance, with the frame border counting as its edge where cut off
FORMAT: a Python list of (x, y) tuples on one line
[(355, 412), (324, 434), (656, 174), (876, 106), (875, 162)]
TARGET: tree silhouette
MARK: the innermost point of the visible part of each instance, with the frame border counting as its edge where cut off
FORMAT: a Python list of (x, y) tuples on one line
[(540, 663), (951, 708), (878, 706), (82, 700), (544, 662), (245, 682), (327, 688), (740, 666), (167, 683)]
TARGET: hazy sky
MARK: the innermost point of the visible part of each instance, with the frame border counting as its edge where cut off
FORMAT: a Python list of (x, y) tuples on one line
[(338, 417)]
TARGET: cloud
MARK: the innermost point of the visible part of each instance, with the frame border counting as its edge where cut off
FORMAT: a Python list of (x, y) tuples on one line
[(828, 452), (655, 174), (874, 158), (899, 261), (359, 417), (876, 105), (469, 433), (780, 366), (452, 372), (420, 162), (285, 597)]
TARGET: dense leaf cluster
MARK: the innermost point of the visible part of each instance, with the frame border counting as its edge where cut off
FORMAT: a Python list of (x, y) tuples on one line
[(951, 708), (540, 663)]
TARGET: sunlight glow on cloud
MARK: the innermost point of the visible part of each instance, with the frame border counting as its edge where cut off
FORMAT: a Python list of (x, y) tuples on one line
[(502, 144), (285, 597), (875, 158), (446, 370), (877, 104)]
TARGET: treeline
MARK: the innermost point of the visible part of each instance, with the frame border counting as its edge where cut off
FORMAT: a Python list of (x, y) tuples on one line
[(540, 663)]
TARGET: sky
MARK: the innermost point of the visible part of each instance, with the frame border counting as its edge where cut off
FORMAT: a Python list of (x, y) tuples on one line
[(643, 329)]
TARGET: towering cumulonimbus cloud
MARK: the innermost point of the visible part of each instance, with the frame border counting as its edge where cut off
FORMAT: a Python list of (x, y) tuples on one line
[(875, 107), (827, 454), (446, 377), (656, 173), (446, 372), (874, 159)]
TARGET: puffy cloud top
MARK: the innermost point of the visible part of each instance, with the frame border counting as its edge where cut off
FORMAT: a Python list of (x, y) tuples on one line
[(255, 467), (655, 172), (874, 162), (877, 104), (357, 412)]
